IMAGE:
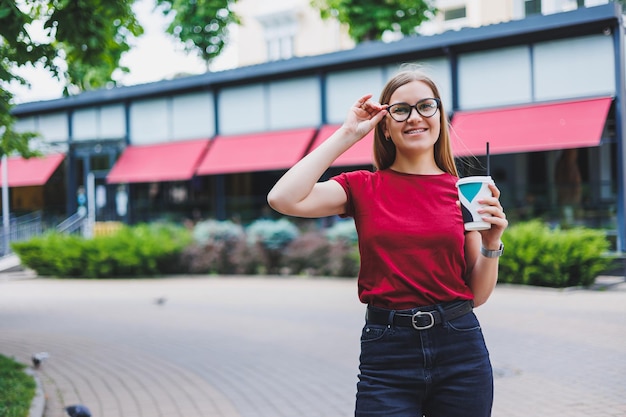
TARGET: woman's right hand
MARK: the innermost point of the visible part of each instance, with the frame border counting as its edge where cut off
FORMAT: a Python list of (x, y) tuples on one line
[(363, 116), (298, 192)]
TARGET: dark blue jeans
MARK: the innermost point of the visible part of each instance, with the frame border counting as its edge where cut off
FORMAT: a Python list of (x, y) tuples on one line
[(443, 371)]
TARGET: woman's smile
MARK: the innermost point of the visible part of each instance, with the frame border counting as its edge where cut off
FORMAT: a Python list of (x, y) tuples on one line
[(415, 131)]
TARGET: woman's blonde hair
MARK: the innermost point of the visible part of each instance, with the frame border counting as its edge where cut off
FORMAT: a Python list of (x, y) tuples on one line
[(385, 150)]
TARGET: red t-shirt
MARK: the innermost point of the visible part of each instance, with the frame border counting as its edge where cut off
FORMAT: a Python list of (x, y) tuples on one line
[(411, 238)]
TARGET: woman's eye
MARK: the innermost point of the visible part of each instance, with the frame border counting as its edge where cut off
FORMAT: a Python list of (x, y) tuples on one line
[(401, 109)]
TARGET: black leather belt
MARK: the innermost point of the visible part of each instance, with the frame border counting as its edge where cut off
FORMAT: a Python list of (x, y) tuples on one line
[(419, 318)]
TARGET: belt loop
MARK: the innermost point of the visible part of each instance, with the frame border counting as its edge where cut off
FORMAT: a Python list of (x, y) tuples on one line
[(392, 313), (442, 314)]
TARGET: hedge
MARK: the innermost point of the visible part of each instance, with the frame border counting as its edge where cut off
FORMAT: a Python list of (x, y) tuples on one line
[(538, 255), (144, 250), (535, 254)]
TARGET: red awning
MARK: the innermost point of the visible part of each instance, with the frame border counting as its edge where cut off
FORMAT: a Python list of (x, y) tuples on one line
[(361, 153), (255, 152), (531, 128), (23, 172), (172, 161)]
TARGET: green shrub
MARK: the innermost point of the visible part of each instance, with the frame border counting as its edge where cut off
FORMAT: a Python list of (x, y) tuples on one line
[(535, 254), (269, 238), (272, 234), (538, 255), (307, 254), (343, 261), (17, 389), (313, 253), (215, 230), (342, 230), (142, 250), (219, 247)]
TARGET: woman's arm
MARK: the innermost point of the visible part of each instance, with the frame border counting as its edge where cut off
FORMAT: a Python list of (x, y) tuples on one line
[(298, 192), (483, 271)]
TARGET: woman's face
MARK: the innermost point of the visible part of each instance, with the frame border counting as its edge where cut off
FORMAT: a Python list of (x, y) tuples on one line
[(417, 133)]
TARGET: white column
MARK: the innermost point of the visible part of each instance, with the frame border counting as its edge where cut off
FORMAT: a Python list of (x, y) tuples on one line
[(6, 223)]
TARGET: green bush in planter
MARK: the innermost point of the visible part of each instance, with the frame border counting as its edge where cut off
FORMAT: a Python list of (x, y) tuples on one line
[(344, 260), (270, 237), (141, 250), (538, 255), (307, 254), (219, 247), (344, 230), (210, 230)]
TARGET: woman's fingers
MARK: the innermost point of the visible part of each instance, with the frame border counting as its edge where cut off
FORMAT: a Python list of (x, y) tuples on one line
[(366, 105), (493, 207), (361, 102)]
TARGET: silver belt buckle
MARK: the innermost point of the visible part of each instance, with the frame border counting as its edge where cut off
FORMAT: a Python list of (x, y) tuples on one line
[(419, 314)]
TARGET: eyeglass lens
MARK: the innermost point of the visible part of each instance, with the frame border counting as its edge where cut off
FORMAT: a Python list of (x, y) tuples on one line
[(402, 111)]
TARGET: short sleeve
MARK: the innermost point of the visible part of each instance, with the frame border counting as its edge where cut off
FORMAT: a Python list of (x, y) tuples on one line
[(344, 180)]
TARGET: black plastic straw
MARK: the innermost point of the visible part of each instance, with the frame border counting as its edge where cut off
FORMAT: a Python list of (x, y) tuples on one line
[(488, 166)]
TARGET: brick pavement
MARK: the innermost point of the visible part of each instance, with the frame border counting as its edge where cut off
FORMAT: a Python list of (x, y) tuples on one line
[(251, 346)]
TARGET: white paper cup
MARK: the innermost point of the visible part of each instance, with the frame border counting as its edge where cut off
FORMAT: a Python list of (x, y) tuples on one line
[(471, 190)]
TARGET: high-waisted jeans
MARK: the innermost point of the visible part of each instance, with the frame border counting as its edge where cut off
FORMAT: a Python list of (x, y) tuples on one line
[(443, 371)]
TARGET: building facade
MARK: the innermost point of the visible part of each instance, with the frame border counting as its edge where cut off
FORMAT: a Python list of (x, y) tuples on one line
[(546, 93), (284, 29)]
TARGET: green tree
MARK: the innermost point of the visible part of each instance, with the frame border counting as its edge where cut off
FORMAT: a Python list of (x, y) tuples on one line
[(84, 42), (202, 25), (369, 19)]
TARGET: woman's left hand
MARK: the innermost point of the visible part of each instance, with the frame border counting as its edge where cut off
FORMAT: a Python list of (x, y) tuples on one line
[(491, 237)]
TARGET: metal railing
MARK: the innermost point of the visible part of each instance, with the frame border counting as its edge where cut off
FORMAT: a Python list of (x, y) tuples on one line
[(20, 229), (72, 224)]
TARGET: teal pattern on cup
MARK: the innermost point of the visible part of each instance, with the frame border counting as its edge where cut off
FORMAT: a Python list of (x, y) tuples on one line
[(471, 190)]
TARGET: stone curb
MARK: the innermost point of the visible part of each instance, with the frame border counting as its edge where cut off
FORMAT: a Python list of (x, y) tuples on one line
[(38, 404)]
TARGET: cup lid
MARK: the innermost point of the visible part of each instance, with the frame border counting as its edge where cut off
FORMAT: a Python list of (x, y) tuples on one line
[(475, 178)]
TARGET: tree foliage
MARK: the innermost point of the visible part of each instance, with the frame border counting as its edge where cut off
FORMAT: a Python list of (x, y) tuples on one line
[(82, 45), (202, 25), (370, 19), (83, 42), (91, 36)]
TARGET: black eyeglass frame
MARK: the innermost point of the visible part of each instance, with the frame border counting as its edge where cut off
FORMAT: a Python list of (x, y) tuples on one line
[(415, 106)]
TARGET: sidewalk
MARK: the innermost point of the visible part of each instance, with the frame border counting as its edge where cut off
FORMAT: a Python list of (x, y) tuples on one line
[(272, 347)]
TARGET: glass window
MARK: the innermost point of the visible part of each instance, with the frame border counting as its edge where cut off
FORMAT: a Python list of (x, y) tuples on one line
[(457, 13), (280, 48), (532, 7)]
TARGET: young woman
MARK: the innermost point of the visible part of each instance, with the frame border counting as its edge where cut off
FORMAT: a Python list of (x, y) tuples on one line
[(422, 349)]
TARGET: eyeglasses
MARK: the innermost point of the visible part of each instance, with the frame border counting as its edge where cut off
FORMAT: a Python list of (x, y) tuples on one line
[(425, 108)]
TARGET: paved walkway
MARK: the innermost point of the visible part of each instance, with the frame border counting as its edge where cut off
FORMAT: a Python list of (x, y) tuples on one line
[(286, 347)]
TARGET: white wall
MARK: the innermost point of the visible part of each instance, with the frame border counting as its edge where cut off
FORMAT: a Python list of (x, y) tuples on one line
[(193, 116), (113, 121), (277, 105), (150, 121), (545, 71), (494, 78), (575, 67), (345, 87), (242, 109), (94, 123), (294, 103), (53, 127)]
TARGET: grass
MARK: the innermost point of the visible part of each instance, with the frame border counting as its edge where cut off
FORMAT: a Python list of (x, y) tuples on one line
[(17, 389)]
